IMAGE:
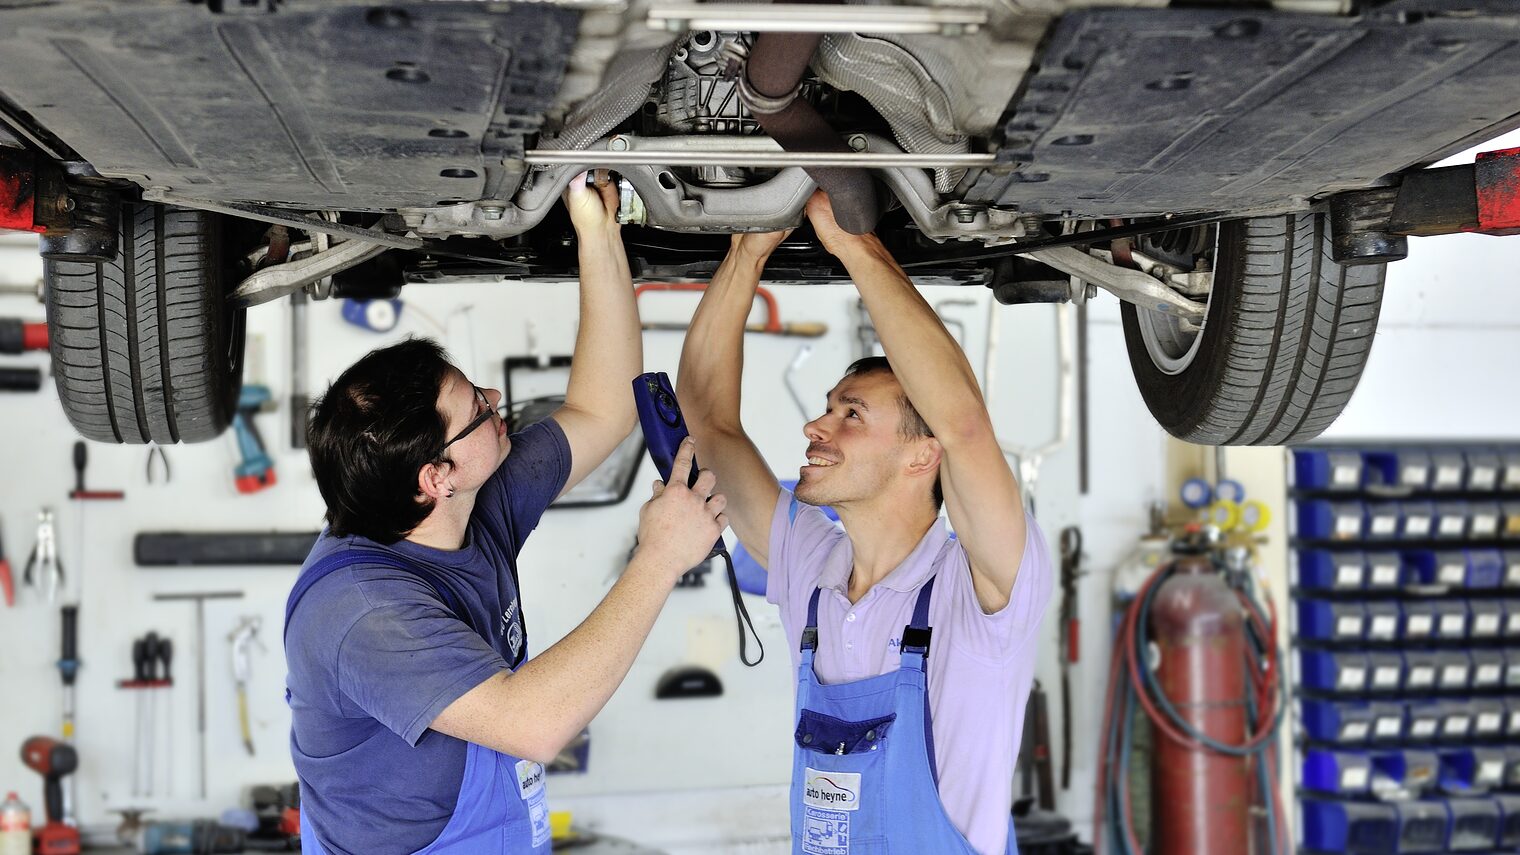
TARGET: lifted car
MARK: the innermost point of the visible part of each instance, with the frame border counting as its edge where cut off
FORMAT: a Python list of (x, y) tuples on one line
[(1230, 170)]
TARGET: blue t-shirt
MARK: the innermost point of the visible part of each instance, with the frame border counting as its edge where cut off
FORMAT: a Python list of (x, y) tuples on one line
[(374, 656)]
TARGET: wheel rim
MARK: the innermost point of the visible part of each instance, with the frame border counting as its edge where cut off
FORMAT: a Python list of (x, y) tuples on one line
[(1171, 346)]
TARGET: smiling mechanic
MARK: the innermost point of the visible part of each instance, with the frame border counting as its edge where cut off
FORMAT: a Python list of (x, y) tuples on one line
[(418, 722), (899, 436)]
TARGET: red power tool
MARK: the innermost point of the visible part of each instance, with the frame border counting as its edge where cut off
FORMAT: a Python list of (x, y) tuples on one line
[(52, 760)]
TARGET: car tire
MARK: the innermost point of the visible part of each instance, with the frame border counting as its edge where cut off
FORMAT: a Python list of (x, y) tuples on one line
[(1283, 344), (144, 347)]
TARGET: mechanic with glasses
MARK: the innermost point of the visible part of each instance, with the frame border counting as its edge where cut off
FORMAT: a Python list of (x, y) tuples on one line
[(419, 723), (914, 648)]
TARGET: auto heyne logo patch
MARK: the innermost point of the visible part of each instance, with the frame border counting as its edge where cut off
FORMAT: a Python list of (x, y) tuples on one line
[(832, 790)]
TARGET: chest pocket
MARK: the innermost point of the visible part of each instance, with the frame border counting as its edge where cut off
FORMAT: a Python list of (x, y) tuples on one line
[(825, 734)]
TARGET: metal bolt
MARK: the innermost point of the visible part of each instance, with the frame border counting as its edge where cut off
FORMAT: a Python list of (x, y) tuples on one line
[(413, 221), (965, 215), (493, 212), (1092, 291), (858, 142), (617, 144)]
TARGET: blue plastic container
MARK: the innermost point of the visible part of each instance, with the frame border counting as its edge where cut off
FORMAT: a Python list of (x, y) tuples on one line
[(1484, 468), (1417, 620), (1512, 717), (1382, 622), (1405, 468), (1488, 718), (1385, 671), (1421, 670), (1388, 718), (1419, 568), (1423, 826), (1509, 809), (1339, 722), (1419, 520), (1325, 469), (1511, 627), (1451, 520), (1355, 828), (1474, 824), (1486, 621), (1333, 670), (1319, 519), (1454, 673), (1384, 520), (1512, 668), (1323, 570), (1342, 772), (1466, 771), (1412, 769), (1512, 556), (1448, 470), (1384, 571), (1422, 720), (1485, 568), (1488, 667), (1331, 620), (1456, 717), (1484, 520), (1451, 619)]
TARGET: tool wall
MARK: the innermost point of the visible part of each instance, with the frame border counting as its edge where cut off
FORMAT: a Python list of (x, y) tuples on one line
[(1406, 616)]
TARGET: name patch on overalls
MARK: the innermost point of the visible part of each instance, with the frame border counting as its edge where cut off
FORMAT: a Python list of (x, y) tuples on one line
[(827, 797)]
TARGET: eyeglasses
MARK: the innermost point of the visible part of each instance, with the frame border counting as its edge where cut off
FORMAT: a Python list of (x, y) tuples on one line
[(484, 411)]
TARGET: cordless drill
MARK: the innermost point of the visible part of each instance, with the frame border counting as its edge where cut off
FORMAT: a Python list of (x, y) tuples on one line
[(256, 471), (52, 760)]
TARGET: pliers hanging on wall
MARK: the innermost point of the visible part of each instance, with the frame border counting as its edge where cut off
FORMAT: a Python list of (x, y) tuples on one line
[(43, 569)]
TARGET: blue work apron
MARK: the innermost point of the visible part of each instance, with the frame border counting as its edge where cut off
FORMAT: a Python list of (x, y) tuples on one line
[(501, 805), (863, 776)]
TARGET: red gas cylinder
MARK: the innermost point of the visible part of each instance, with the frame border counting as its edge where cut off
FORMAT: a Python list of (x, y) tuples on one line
[(1202, 799)]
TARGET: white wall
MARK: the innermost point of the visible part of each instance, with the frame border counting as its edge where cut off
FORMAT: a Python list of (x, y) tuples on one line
[(666, 772)]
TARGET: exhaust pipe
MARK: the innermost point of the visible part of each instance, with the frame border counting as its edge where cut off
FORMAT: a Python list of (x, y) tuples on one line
[(769, 88)]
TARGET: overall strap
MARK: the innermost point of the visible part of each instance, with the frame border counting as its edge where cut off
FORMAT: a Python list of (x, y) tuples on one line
[(810, 632), (915, 642), (348, 557)]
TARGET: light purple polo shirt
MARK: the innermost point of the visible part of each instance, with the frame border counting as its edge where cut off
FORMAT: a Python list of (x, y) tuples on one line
[(981, 666)]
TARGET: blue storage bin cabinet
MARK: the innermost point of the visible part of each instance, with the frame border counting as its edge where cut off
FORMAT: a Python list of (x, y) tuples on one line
[(1419, 714)]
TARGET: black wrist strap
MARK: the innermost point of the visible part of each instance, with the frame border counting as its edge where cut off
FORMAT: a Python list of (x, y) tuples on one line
[(741, 616)]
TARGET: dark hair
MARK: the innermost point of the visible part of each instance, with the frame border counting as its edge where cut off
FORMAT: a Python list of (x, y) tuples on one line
[(910, 425), (370, 435)]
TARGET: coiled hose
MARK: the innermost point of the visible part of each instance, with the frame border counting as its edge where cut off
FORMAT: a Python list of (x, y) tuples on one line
[(1132, 684)]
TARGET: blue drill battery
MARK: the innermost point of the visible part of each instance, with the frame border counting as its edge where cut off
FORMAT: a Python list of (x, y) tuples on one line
[(1316, 469), (1485, 568), (1451, 520), (1384, 520), (1421, 669), (1418, 520), (1488, 718), (1385, 671), (1341, 772), (1410, 772), (1448, 470), (1488, 667), (1339, 722), (1484, 468), (1331, 620), (1417, 620), (1474, 824), (1333, 670), (1355, 828), (1453, 670), (1319, 519), (1382, 622), (1486, 619), (1323, 570)]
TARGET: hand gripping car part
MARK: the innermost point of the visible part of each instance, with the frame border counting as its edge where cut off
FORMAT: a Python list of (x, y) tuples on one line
[(664, 428)]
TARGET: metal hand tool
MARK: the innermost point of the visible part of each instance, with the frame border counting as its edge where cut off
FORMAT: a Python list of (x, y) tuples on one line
[(246, 635), (1071, 632), (81, 460), (43, 569), (200, 598)]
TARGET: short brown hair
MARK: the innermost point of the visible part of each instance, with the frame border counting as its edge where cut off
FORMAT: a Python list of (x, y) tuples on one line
[(910, 425)]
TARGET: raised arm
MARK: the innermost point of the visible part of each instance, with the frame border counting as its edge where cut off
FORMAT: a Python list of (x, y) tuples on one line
[(981, 493), (536, 710), (598, 412), (707, 384)]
